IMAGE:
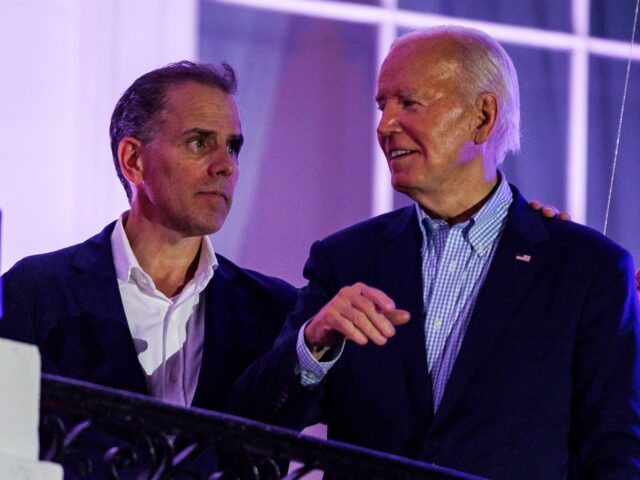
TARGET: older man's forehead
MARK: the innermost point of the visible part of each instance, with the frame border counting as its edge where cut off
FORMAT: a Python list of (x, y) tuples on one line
[(426, 61)]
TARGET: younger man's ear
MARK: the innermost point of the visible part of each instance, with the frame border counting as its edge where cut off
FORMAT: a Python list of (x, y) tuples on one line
[(130, 158)]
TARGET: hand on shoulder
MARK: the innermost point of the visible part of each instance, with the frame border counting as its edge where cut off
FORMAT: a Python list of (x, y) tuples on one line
[(549, 211)]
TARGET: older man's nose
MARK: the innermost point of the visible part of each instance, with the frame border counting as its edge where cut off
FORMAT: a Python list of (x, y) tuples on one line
[(388, 125)]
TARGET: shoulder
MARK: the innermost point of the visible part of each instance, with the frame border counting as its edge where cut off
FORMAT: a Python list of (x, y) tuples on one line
[(45, 266), (585, 237), (250, 279), (382, 226), (572, 241), (584, 246), (350, 252), (41, 267), (263, 299)]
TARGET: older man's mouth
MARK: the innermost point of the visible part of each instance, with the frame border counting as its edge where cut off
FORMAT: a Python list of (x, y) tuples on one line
[(400, 153)]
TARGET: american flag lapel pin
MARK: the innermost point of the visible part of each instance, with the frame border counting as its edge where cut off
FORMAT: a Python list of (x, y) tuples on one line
[(524, 258)]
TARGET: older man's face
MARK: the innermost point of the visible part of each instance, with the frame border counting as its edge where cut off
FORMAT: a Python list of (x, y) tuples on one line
[(426, 130)]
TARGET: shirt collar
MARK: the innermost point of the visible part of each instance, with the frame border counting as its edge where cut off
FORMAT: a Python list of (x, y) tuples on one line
[(207, 263), (483, 227), (128, 268)]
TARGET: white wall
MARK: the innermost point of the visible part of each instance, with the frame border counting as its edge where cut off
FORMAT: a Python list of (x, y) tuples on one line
[(64, 65)]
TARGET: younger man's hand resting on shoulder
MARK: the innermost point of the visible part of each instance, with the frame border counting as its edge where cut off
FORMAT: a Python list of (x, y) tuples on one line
[(357, 313), (550, 211)]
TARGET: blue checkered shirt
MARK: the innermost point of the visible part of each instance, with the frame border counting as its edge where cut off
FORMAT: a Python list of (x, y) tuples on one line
[(455, 262), (449, 294)]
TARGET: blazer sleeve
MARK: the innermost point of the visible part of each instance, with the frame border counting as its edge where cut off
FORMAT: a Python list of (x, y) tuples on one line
[(270, 389), (17, 322), (605, 424)]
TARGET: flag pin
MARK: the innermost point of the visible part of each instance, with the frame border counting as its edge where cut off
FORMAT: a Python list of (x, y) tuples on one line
[(523, 258)]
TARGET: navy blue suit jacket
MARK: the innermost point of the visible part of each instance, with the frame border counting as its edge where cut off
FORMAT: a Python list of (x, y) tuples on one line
[(546, 382), (68, 304)]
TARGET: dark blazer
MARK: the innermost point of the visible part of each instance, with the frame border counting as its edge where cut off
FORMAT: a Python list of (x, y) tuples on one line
[(546, 382), (68, 304)]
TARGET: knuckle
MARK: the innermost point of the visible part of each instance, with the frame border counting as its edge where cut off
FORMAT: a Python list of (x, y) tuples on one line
[(342, 324), (347, 291), (360, 318)]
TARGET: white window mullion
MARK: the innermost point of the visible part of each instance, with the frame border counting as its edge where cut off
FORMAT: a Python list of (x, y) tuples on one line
[(512, 34), (388, 18), (577, 158), (382, 192)]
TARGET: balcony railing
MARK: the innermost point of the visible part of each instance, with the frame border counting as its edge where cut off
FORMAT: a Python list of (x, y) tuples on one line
[(99, 432)]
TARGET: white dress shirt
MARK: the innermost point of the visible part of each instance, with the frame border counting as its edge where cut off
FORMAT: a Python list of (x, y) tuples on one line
[(167, 333)]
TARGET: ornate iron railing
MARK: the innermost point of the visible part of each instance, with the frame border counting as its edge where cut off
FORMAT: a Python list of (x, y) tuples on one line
[(99, 432)]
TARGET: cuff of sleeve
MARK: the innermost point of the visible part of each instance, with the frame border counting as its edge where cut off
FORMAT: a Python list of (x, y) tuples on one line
[(311, 370)]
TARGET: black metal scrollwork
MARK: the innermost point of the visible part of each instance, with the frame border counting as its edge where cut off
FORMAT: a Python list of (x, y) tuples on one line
[(98, 432)]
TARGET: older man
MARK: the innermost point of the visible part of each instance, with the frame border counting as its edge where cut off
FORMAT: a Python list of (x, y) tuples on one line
[(147, 305), (479, 335)]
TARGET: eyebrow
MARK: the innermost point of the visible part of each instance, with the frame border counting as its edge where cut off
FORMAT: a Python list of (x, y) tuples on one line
[(202, 132), (402, 94)]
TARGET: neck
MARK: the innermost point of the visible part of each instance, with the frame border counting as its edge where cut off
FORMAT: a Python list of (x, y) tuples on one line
[(457, 204), (169, 258)]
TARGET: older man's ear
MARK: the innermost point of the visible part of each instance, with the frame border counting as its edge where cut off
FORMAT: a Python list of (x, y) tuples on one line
[(550, 211)]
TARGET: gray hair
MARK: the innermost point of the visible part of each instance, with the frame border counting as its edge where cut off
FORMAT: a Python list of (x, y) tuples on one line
[(486, 67)]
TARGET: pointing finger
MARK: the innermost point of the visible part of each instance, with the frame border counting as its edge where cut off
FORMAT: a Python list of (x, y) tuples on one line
[(378, 297)]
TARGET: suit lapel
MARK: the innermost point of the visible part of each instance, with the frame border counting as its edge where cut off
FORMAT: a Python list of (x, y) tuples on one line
[(507, 281), (95, 289), (399, 275), (221, 320)]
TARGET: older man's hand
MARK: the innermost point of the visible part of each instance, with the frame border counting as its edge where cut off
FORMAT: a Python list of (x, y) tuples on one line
[(358, 313), (550, 211)]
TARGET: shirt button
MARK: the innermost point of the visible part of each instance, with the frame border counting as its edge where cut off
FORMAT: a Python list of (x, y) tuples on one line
[(437, 324), (173, 377)]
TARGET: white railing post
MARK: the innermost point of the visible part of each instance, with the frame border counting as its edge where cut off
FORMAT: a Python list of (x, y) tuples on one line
[(20, 413)]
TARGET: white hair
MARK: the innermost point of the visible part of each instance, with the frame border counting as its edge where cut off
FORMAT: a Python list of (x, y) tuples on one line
[(486, 67)]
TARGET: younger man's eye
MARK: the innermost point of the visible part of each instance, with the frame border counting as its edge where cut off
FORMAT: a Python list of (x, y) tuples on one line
[(197, 143), (235, 146)]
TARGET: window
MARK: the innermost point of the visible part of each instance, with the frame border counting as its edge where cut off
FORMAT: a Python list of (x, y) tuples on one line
[(307, 71)]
